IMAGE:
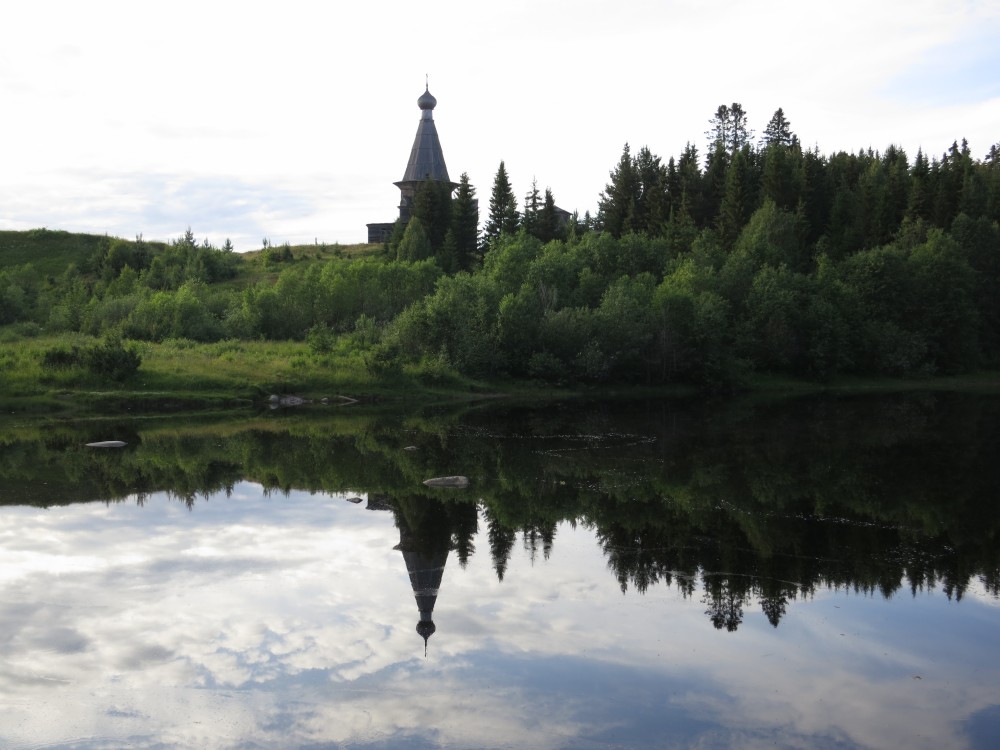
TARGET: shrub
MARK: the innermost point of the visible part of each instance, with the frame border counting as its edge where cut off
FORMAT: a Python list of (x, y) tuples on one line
[(320, 339), (383, 360), (61, 358), (112, 359)]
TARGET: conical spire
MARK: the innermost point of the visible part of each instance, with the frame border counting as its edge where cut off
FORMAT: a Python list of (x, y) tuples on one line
[(426, 158), (426, 163)]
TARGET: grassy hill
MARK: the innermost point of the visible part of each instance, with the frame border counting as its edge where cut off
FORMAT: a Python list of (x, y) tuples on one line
[(50, 252)]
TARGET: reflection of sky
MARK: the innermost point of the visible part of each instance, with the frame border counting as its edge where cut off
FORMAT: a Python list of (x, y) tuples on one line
[(257, 621)]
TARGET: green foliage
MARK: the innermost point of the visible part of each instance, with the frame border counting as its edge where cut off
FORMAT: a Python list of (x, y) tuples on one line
[(320, 339), (636, 199), (773, 237), (461, 245), (49, 252), (460, 318), (62, 358), (778, 131), (112, 359), (416, 243), (384, 361), (503, 217), (770, 258), (19, 291), (432, 205), (729, 128), (275, 255)]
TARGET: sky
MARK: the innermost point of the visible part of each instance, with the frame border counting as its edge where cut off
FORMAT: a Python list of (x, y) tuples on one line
[(291, 122), (256, 620)]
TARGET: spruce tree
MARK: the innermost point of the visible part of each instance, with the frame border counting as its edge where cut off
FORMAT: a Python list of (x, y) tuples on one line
[(504, 218), (617, 204), (532, 208), (432, 205), (689, 184), (462, 241), (729, 129), (549, 227), (778, 131)]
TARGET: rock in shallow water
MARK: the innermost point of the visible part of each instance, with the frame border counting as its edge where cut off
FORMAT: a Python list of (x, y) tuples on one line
[(458, 482)]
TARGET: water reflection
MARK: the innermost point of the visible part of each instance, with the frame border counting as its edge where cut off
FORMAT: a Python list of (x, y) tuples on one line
[(616, 578)]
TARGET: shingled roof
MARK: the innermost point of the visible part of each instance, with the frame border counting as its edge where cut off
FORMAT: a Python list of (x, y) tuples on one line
[(426, 158)]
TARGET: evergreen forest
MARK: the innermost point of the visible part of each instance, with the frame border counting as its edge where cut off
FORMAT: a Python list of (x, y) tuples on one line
[(756, 256)]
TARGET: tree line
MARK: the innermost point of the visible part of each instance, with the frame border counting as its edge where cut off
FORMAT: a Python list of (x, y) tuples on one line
[(762, 257), (767, 257)]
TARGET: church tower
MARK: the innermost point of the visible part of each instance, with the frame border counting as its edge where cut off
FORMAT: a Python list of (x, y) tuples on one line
[(426, 163)]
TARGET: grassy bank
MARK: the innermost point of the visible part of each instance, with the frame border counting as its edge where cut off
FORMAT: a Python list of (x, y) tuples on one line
[(181, 374), (184, 375)]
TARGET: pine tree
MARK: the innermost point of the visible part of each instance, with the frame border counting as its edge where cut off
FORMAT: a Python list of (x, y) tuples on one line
[(778, 131), (738, 201), (549, 226), (463, 236), (653, 209), (718, 133), (504, 218), (729, 128), (432, 205), (636, 199), (781, 178), (617, 204), (713, 187), (532, 207), (689, 181)]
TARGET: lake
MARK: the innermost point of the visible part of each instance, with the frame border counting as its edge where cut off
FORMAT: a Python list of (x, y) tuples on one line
[(818, 572)]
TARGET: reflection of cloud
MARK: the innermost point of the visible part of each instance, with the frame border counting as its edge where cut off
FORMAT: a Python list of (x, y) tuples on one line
[(290, 621)]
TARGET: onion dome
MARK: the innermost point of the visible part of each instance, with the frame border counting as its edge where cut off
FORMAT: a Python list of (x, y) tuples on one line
[(427, 100)]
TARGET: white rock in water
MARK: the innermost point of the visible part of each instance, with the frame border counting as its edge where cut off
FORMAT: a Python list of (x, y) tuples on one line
[(459, 482), (410, 448), (107, 444)]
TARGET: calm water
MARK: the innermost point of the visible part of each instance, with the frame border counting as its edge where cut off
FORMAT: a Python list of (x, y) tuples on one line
[(813, 573)]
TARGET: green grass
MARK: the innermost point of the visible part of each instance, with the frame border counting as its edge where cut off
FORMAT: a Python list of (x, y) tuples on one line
[(184, 374), (322, 251), (51, 252), (48, 251)]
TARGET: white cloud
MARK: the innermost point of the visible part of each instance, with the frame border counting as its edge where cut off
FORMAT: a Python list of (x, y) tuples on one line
[(291, 621)]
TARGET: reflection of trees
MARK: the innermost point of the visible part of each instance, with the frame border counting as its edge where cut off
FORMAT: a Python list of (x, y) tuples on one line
[(538, 536), (725, 602), (502, 538), (759, 503)]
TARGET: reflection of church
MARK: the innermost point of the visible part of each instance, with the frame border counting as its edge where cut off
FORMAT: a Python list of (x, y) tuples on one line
[(426, 571), (425, 541), (426, 163)]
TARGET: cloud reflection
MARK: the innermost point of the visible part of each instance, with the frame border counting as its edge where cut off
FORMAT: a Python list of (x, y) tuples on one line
[(262, 621)]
